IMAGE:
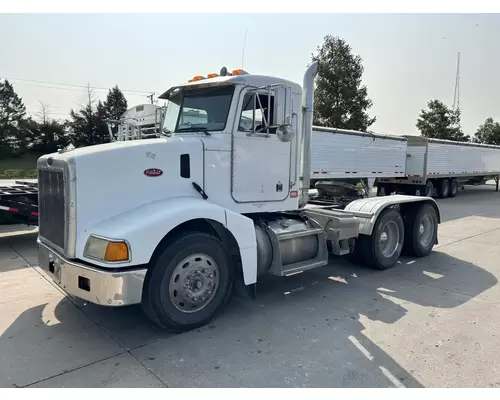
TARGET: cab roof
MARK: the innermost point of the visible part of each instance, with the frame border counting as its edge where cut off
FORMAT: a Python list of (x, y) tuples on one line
[(246, 79)]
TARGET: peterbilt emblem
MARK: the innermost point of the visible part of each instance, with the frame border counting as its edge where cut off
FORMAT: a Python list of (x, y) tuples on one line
[(153, 172)]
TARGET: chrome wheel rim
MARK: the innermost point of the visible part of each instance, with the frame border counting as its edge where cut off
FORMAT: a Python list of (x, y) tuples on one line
[(193, 283), (389, 239), (426, 230)]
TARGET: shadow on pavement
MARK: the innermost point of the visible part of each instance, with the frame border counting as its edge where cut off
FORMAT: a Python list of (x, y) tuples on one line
[(304, 330), (17, 248)]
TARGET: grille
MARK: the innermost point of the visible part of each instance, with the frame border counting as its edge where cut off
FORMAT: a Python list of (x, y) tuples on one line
[(51, 211)]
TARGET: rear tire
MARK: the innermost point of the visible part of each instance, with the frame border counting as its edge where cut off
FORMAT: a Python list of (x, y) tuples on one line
[(429, 189), (382, 249), (453, 187), (420, 231), (189, 283), (444, 188)]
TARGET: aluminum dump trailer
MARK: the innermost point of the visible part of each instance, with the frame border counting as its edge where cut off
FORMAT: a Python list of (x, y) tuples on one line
[(340, 154), (440, 167)]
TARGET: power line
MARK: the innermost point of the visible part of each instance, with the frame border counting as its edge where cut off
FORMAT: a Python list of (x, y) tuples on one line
[(73, 85), (76, 90)]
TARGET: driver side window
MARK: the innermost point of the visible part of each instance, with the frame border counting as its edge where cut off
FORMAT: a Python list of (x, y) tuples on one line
[(263, 113)]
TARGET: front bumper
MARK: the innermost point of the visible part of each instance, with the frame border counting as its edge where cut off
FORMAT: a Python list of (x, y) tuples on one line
[(92, 284)]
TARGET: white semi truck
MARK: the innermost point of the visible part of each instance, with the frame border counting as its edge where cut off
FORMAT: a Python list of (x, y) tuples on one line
[(175, 223)]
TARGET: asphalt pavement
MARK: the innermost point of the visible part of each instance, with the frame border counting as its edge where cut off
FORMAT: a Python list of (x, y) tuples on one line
[(428, 322)]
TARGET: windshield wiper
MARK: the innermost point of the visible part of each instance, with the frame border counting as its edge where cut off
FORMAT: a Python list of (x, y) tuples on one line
[(195, 129)]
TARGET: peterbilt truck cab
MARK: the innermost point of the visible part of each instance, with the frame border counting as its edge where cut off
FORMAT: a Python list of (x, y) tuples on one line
[(222, 197)]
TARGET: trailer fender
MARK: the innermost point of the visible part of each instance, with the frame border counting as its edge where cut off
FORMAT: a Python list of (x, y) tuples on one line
[(369, 209), (145, 227)]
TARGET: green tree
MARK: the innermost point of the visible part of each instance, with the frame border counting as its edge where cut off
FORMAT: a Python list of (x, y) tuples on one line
[(488, 133), (13, 130), (47, 136), (86, 125), (441, 122), (341, 101), (115, 104)]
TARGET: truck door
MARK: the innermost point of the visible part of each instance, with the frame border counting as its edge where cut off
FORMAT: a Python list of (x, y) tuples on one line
[(261, 162)]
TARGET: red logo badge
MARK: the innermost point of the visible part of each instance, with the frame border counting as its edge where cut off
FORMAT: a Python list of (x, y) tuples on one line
[(153, 172)]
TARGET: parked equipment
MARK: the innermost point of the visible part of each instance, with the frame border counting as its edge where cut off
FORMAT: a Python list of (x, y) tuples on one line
[(215, 203), (441, 167), (19, 203)]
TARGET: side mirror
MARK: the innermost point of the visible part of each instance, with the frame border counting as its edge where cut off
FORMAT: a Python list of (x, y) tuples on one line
[(282, 106), (283, 114)]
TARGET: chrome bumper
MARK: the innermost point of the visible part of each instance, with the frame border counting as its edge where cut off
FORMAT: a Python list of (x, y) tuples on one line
[(94, 285)]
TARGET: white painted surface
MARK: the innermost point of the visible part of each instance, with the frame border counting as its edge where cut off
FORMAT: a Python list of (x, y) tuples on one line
[(341, 155), (449, 159), (415, 163)]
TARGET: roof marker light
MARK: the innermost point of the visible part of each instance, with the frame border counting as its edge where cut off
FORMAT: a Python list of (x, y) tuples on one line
[(239, 72)]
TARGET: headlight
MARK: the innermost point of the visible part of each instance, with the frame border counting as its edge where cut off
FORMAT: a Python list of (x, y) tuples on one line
[(106, 249)]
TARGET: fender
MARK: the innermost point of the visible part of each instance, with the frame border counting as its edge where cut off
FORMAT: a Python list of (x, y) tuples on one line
[(369, 209), (144, 227)]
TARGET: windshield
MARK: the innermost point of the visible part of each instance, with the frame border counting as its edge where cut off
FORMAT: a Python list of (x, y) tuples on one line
[(199, 109)]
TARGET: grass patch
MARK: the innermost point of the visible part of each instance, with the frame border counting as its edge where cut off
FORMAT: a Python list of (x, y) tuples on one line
[(19, 167)]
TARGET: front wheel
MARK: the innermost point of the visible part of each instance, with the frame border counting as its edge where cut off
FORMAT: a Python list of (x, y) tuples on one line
[(189, 283)]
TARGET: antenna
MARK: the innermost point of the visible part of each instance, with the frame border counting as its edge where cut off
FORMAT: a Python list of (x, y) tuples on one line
[(456, 95), (244, 46)]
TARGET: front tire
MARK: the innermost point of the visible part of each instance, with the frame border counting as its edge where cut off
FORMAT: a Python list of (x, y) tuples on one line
[(189, 283)]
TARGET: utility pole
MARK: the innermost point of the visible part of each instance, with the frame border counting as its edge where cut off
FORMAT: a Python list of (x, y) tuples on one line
[(456, 94), (151, 97)]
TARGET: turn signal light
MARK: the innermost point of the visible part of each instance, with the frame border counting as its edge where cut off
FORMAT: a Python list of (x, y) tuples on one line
[(116, 251)]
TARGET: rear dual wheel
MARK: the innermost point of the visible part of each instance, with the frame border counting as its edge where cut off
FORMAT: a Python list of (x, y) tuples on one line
[(453, 187), (383, 247), (444, 188), (420, 231), (416, 236)]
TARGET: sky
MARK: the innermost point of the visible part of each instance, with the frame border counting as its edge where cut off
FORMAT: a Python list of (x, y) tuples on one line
[(408, 59)]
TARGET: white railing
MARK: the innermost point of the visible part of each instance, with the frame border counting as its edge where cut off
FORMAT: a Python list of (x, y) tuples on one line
[(134, 129)]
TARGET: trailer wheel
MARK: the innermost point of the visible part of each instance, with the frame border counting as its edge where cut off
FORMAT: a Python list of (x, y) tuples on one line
[(444, 188), (382, 249), (453, 187), (429, 189), (189, 283), (420, 231)]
